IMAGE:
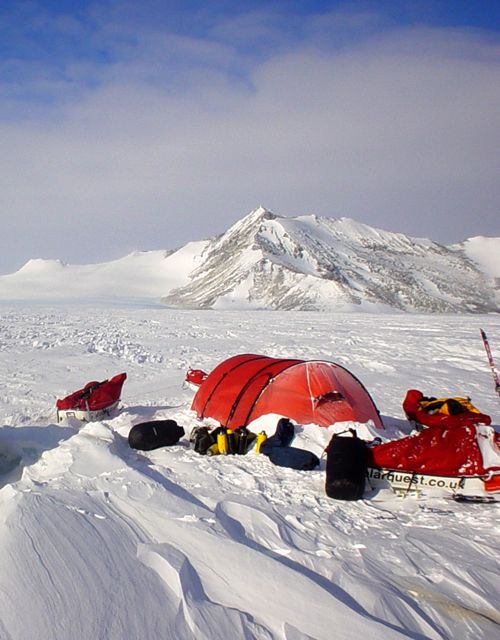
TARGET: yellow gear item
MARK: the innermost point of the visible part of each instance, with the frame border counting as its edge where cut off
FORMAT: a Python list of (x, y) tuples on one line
[(261, 437), (213, 450), (448, 406), (222, 442)]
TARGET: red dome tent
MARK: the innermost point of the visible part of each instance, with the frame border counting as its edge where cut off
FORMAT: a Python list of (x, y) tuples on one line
[(245, 387)]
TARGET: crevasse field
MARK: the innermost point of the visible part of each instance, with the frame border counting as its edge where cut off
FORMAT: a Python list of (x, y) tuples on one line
[(98, 541)]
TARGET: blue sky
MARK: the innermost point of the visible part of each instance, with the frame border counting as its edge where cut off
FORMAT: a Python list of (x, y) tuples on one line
[(143, 125)]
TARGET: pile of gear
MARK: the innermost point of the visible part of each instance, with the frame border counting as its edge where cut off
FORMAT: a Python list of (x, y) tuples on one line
[(222, 441)]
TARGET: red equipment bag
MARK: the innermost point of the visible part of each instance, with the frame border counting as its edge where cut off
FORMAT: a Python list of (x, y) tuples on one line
[(94, 397)]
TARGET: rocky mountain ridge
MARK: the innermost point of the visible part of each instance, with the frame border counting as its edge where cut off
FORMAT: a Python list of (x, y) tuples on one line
[(313, 263), (267, 261)]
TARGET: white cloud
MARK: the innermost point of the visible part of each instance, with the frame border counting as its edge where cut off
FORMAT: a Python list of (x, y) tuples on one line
[(400, 131)]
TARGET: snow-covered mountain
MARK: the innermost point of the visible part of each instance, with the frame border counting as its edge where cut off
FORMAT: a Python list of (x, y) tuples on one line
[(312, 263), (141, 275), (266, 261)]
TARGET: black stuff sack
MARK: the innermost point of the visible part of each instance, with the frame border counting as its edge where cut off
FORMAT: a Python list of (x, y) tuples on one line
[(346, 467), (293, 458), (155, 434), (285, 432)]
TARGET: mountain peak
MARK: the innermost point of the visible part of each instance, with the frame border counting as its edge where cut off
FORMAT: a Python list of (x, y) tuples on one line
[(41, 265), (260, 210), (260, 213), (316, 263)]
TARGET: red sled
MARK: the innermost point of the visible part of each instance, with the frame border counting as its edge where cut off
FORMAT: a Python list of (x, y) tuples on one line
[(195, 378), (463, 461), (95, 401)]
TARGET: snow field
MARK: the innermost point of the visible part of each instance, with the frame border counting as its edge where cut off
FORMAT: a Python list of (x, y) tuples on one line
[(100, 541)]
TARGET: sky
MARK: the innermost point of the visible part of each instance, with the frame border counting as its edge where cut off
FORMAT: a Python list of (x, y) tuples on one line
[(140, 125)]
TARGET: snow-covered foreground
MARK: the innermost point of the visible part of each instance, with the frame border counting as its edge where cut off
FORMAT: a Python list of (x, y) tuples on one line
[(100, 541)]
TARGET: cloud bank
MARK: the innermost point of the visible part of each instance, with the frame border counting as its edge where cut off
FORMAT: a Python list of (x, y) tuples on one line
[(147, 136)]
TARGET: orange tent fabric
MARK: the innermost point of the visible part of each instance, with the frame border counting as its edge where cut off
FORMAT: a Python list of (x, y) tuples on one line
[(245, 387)]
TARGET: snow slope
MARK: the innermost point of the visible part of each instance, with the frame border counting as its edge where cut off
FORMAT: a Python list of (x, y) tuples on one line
[(485, 252), (140, 276), (100, 541)]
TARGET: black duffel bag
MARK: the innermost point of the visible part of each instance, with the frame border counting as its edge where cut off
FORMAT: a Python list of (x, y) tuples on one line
[(346, 467), (155, 434)]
